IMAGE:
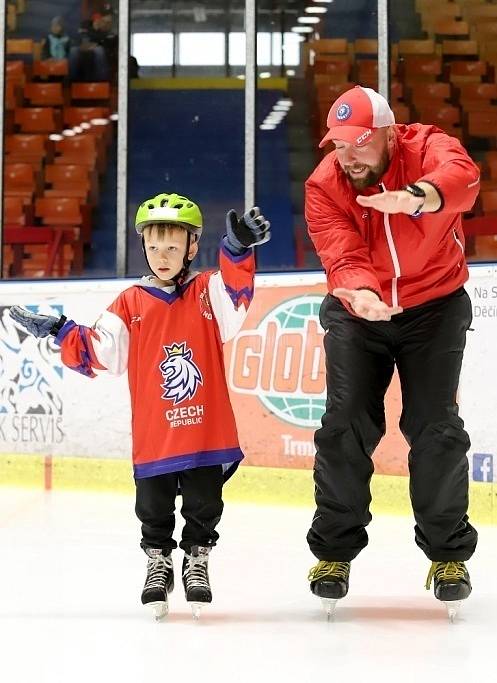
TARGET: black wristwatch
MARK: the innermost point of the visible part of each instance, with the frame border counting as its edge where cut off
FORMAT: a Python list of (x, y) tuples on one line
[(416, 191)]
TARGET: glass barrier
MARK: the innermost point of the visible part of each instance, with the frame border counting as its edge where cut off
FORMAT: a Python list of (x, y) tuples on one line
[(186, 117), (444, 59), (322, 50), (59, 192)]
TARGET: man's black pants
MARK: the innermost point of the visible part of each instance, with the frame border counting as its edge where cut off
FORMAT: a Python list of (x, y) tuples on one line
[(201, 490), (426, 343)]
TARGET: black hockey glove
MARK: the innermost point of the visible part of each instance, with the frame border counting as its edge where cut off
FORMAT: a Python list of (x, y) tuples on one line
[(37, 325), (248, 231)]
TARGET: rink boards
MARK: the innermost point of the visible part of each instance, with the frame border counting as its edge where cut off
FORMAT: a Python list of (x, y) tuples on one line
[(59, 429)]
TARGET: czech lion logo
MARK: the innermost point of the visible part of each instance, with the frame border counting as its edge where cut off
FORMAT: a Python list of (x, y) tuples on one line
[(181, 375)]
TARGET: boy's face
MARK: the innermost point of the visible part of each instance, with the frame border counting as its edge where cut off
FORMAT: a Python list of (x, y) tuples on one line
[(166, 249)]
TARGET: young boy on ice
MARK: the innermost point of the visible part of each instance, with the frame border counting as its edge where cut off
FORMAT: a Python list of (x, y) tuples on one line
[(168, 331)]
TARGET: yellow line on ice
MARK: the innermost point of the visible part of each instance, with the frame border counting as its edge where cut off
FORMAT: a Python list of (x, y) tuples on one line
[(257, 485)]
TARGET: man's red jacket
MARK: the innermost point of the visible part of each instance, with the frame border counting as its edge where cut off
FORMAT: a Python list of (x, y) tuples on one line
[(406, 260)]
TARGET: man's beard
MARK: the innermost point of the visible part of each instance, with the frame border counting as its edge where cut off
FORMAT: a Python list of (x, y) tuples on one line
[(373, 175)]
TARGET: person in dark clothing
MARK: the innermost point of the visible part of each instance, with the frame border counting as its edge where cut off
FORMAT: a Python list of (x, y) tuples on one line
[(101, 33), (133, 67), (95, 58), (384, 212)]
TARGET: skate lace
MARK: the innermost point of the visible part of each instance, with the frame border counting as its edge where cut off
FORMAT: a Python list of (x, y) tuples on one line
[(445, 571), (157, 570), (195, 574), (335, 570)]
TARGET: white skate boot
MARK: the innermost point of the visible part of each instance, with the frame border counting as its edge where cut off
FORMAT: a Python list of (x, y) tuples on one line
[(196, 579), (159, 582)]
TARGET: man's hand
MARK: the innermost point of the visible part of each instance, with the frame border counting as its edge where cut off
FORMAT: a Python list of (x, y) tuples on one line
[(367, 304), (250, 230), (402, 201), (396, 201), (37, 325)]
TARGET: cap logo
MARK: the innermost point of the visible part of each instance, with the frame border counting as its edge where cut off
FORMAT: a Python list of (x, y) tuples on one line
[(344, 111), (364, 136)]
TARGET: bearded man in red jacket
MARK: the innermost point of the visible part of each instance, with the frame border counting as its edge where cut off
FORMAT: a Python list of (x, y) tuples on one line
[(384, 213)]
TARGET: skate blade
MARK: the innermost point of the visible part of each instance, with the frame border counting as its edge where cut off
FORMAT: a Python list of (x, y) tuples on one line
[(196, 609), (329, 605), (453, 608), (160, 609)]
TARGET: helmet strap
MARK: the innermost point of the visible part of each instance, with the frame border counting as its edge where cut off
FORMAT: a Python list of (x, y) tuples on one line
[(180, 278), (145, 254)]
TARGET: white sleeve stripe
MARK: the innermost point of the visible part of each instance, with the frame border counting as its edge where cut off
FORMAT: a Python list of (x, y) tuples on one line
[(228, 318), (112, 347)]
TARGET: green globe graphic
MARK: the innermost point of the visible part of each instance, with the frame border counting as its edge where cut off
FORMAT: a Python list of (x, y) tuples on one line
[(300, 410)]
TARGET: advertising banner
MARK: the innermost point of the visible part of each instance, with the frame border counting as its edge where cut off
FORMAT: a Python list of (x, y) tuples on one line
[(45, 408), (277, 378), (275, 369)]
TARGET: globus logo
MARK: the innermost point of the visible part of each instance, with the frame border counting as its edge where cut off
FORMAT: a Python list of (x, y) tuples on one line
[(282, 362)]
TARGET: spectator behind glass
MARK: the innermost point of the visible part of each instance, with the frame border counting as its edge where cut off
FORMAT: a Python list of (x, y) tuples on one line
[(57, 43), (133, 68), (95, 58)]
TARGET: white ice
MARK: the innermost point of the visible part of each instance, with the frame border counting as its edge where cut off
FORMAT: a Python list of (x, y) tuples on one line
[(71, 574)]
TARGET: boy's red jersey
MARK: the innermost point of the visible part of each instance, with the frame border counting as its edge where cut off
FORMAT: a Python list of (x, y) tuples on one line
[(171, 345)]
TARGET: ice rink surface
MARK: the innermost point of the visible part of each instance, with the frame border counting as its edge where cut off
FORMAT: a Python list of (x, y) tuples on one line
[(71, 574)]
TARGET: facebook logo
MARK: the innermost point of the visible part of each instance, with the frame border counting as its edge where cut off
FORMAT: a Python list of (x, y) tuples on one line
[(483, 467)]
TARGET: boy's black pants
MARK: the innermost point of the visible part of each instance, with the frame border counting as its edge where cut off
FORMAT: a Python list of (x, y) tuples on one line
[(201, 490), (426, 343)]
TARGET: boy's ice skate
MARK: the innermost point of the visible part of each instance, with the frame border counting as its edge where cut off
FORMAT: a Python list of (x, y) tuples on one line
[(159, 582), (452, 584), (196, 578), (330, 582)]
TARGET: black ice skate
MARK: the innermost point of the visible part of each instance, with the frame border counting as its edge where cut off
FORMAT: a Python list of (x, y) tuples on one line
[(452, 584), (159, 582), (330, 582), (196, 578)]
